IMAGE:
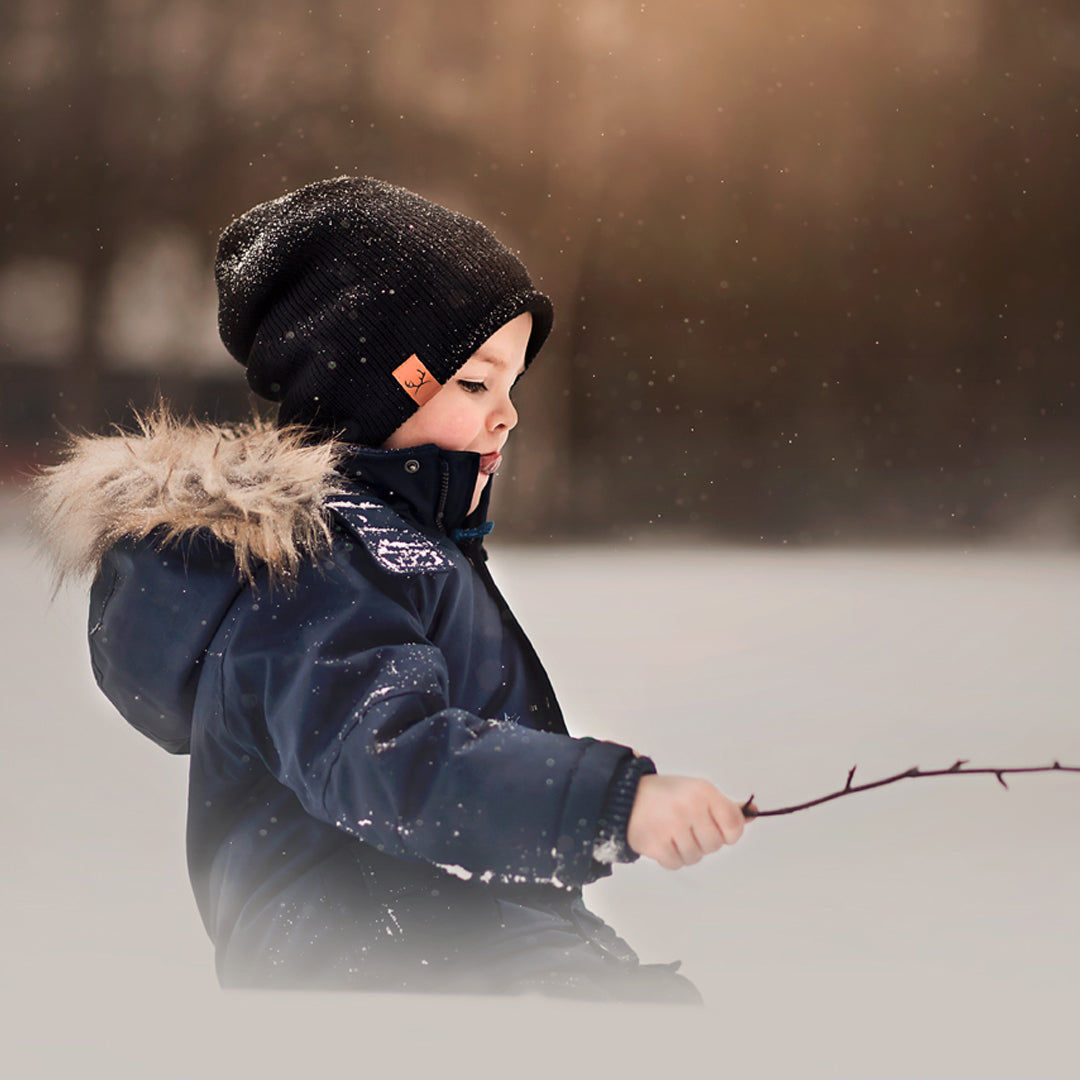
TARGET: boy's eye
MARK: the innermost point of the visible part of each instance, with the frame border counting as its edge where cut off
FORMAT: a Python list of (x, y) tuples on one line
[(471, 386)]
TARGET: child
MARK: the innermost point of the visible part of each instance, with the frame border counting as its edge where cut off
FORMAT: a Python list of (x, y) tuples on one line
[(383, 794)]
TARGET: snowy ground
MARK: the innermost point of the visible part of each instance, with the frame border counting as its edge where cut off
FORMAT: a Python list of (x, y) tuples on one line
[(929, 929)]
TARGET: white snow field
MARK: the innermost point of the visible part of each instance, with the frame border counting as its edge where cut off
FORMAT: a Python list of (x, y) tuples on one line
[(927, 929)]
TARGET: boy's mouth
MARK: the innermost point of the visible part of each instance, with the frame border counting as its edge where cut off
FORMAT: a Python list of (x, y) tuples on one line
[(489, 463)]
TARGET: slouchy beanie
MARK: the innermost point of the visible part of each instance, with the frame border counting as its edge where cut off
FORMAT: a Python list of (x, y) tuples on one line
[(351, 301)]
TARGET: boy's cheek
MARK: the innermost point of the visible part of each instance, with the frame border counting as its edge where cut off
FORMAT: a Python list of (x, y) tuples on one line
[(463, 434)]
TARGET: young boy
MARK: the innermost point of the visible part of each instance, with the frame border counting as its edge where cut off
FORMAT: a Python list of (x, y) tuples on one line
[(383, 793)]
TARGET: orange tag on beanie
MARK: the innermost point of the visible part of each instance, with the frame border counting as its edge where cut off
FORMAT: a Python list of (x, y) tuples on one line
[(416, 380)]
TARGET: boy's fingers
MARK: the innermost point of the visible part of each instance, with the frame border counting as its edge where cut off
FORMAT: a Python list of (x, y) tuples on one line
[(685, 848), (729, 820), (690, 848), (708, 836), (668, 856)]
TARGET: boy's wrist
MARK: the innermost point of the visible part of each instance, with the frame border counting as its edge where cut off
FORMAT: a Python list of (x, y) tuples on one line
[(611, 844)]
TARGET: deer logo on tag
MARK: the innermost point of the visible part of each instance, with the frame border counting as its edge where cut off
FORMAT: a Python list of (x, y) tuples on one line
[(416, 380)]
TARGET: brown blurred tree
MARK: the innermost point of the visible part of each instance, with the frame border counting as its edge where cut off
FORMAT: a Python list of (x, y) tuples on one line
[(814, 265)]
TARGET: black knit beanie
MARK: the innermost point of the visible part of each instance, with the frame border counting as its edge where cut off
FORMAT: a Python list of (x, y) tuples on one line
[(350, 301)]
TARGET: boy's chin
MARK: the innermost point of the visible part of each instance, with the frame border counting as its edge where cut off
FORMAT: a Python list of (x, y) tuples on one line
[(481, 483)]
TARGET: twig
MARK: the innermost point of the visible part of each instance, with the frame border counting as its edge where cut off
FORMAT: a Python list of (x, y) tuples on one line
[(751, 811)]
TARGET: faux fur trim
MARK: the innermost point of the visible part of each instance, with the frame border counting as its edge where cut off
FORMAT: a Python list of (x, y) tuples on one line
[(258, 488)]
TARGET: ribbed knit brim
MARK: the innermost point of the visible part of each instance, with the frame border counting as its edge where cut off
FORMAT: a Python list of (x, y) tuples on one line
[(327, 291)]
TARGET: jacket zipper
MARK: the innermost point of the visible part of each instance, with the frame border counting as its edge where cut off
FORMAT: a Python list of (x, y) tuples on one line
[(444, 491)]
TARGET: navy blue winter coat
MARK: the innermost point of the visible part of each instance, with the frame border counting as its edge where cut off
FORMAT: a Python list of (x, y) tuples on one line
[(383, 792)]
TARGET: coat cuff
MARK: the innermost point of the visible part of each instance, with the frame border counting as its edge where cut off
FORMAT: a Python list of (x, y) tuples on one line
[(611, 844)]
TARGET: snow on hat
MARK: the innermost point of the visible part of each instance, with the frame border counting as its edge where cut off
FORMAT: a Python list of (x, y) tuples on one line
[(351, 301)]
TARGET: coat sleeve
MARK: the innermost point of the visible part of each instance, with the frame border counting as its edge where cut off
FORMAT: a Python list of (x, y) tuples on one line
[(346, 701)]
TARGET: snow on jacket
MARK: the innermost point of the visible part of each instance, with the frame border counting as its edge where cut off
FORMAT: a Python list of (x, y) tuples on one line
[(382, 787)]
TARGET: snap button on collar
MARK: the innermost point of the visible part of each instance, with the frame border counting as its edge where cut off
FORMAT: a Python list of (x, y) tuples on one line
[(412, 465)]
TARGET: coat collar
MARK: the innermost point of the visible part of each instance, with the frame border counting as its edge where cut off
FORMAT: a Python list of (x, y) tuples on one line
[(430, 485), (256, 488)]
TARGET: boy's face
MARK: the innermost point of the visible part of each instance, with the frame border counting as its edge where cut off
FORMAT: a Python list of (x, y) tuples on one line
[(473, 411)]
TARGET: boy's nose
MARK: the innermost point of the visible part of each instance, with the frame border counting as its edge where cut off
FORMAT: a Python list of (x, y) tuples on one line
[(505, 416)]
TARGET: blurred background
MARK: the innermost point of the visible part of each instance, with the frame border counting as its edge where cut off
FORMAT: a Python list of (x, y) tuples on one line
[(815, 265)]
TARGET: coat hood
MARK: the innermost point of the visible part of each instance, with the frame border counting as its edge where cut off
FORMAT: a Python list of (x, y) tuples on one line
[(174, 520), (259, 489)]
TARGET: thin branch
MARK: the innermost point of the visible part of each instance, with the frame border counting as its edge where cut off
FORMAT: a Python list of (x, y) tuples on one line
[(751, 811)]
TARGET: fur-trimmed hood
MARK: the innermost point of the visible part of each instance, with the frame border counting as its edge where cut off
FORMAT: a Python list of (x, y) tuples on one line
[(177, 519), (260, 489)]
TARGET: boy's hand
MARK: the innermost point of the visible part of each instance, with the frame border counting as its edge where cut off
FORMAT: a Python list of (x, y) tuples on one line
[(677, 820)]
